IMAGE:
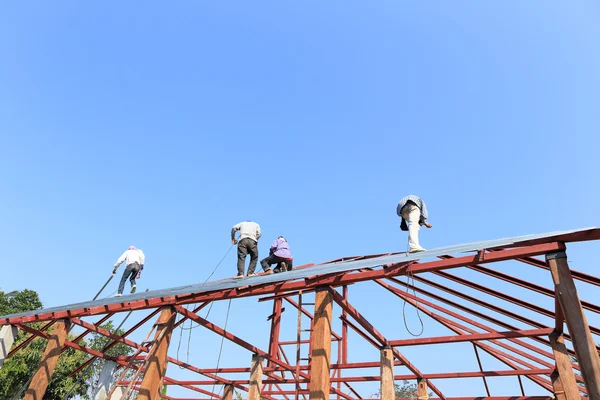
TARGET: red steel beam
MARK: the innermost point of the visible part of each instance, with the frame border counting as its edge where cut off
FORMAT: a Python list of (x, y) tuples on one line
[(527, 285), (29, 339), (240, 342), (503, 357), (473, 337), (337, 279), (481, 315), (528, 346), (362, 321), (592, 280), (373, 378), (113, 343)]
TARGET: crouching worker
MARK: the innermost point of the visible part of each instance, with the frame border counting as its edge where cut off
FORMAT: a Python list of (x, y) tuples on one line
[(279, 254), (134, 261)]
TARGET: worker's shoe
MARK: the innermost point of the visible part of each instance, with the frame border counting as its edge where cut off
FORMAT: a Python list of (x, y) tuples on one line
[(251, 274), (239, 276), (118, 295), (416, 250), (268, 272), (133, 288)]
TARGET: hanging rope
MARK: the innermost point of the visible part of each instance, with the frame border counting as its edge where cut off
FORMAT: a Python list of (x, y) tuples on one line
[(222, 340), (190, 328), (409, 276)]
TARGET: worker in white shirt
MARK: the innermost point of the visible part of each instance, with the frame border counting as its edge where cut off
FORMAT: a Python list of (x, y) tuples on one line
[(247, 244), (134, 263)]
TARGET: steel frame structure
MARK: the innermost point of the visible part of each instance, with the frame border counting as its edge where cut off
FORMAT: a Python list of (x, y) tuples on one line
[(565, 365)]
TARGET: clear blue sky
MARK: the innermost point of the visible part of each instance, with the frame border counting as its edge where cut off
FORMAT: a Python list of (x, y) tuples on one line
[(163, 125)]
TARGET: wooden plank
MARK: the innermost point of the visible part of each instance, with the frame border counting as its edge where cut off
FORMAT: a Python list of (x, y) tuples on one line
[(256, 375), (582, 339), (228, 392), (387, 374), (41, 378), (321, 346), (157, 358)]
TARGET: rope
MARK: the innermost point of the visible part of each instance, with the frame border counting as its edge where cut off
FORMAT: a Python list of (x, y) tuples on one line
[(222, 340), (190, 328), (409, 276)]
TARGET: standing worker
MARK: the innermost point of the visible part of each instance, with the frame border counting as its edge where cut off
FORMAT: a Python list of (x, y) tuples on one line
[(134, 261), (249, 235), (413, 210), (279, 254)]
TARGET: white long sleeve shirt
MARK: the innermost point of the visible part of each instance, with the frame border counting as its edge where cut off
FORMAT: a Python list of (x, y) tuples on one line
[(130, 257), (247, 230)]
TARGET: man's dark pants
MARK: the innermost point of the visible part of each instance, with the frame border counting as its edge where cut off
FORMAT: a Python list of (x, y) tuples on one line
[(273, 259), (130, 273), (247, 246)]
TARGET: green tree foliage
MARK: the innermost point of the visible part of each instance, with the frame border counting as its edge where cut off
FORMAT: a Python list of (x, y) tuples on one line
[(405, 391), (18, 369)]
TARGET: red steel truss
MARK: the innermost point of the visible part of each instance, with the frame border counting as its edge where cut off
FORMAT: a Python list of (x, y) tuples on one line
[(563, 365)]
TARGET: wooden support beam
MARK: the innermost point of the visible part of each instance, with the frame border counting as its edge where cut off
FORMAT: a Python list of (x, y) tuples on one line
[(386, 387), (583, 342), (256, 375), (321, 346), (422, 391), (157, 358), (563, 378), (41, 378), (228, 392)]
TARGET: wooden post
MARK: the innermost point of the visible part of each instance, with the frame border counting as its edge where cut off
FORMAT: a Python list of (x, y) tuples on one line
[(563, 378), (256, 374), (422, 390), (41, 378), (228, 392), (157, 358), (583, 342), (321, 346), (387, 374)]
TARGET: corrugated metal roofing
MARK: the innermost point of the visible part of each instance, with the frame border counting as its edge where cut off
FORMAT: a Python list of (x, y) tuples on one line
[(335, 267)]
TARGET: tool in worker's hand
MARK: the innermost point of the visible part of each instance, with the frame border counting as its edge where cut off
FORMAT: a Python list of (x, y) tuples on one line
[(114, 271), (109, 279)]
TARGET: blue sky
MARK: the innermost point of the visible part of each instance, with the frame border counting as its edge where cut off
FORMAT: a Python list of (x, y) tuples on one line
[(163, 125)]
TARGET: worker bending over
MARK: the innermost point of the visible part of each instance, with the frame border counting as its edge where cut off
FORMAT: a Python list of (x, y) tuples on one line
[(279, 254), (413, 211), (134, 261), (247, 244)]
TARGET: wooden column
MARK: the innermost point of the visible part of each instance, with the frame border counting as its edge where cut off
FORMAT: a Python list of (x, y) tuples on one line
[(422, 389), (583, 342), (256, 374), (563, 378), (387, 374), (321, 346), (228, 392), (41, 378), (157, 358)]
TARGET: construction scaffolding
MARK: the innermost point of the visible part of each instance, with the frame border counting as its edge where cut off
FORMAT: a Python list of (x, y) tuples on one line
[(315, 364)]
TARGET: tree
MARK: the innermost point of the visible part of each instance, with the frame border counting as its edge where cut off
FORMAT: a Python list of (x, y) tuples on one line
[(405, 391), (18, 370)]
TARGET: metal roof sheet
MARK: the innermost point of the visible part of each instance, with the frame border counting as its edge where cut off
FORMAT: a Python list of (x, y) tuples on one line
[(329, 268)]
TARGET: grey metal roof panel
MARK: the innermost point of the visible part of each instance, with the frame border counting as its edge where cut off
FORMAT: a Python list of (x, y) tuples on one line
[(328, 268)]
